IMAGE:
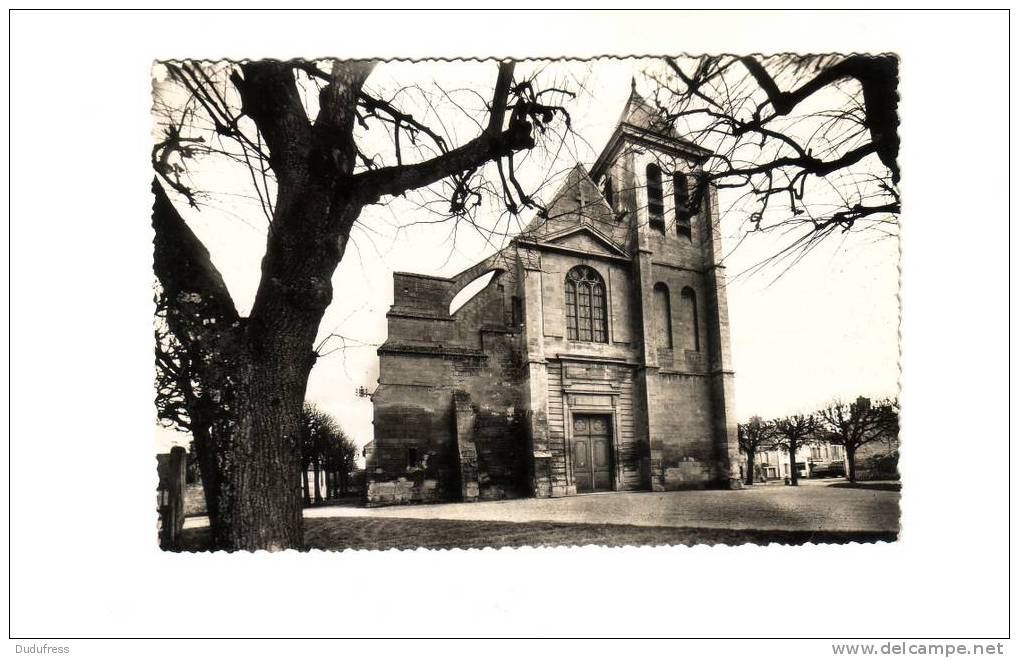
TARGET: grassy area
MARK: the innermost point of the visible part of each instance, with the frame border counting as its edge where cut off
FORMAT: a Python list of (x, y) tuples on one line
[(383, 533)]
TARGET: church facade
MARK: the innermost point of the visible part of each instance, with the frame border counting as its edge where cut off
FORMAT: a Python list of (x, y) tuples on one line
[(595, 356)]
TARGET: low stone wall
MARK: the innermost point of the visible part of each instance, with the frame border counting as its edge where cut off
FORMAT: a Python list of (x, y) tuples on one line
[(496, 492), (402, 491), (194, 500), (686, 473)]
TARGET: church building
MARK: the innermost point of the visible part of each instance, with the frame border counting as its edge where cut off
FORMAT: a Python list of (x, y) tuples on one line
[(592, 356)]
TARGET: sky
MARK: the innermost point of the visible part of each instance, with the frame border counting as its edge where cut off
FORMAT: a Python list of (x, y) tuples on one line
[(824, 328)]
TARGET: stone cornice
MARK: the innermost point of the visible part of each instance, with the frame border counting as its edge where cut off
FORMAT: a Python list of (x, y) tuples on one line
[(668, 145), (432, 350), (593, 358), (417, 316), (672, 266), (424, 276), (541, 246)]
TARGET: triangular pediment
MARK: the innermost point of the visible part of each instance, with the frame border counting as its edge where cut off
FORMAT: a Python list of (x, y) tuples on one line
[(584, 238), (579, 218)]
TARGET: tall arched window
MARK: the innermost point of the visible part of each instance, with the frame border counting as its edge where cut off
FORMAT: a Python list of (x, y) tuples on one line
[(609, 193), (681, 198), (655, 205), (585, 306), (663, 316), (691, 332)]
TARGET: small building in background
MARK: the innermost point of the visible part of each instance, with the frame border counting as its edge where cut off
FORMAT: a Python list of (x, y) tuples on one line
[(816, 460)]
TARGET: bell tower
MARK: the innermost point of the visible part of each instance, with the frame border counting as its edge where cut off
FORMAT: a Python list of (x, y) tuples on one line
[(654, 181)]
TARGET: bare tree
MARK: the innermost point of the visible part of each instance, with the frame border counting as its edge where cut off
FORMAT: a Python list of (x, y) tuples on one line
[(754, 435), (792, 433), (181, 402), (312, 181), (325, 448), (339, 459), (858, 423), (811, 141)]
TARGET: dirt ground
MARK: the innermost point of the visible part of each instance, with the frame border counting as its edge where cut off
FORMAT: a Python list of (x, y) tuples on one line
[(340, 533), (812, 506), (819, 512)]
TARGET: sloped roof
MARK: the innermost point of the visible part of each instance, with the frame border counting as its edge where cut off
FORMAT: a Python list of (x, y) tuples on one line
[(577, 201), (640, 114), (643, 122)]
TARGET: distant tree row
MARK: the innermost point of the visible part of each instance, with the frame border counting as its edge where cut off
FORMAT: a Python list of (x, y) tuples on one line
[(325, 448), (850, 425)]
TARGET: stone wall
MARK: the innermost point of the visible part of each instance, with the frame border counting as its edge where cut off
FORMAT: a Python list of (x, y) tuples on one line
[(413, 457), (878, 460), (494, 389), (194, 500), (448, 406), (683, 438)]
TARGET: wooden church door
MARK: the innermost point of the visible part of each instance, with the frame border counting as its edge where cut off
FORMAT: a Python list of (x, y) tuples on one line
[(592, 453)]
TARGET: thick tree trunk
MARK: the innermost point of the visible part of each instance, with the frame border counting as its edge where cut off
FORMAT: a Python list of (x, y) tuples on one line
[(254, 371), (264, 460), (256, 368), (750, 467), (851, 464), (794, 475)]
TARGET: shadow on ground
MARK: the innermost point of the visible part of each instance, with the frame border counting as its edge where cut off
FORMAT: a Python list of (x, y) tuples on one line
[(334, 534), (873, 486)]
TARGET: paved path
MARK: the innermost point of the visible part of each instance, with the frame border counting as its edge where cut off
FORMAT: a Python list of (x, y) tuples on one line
[(808, 507)]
